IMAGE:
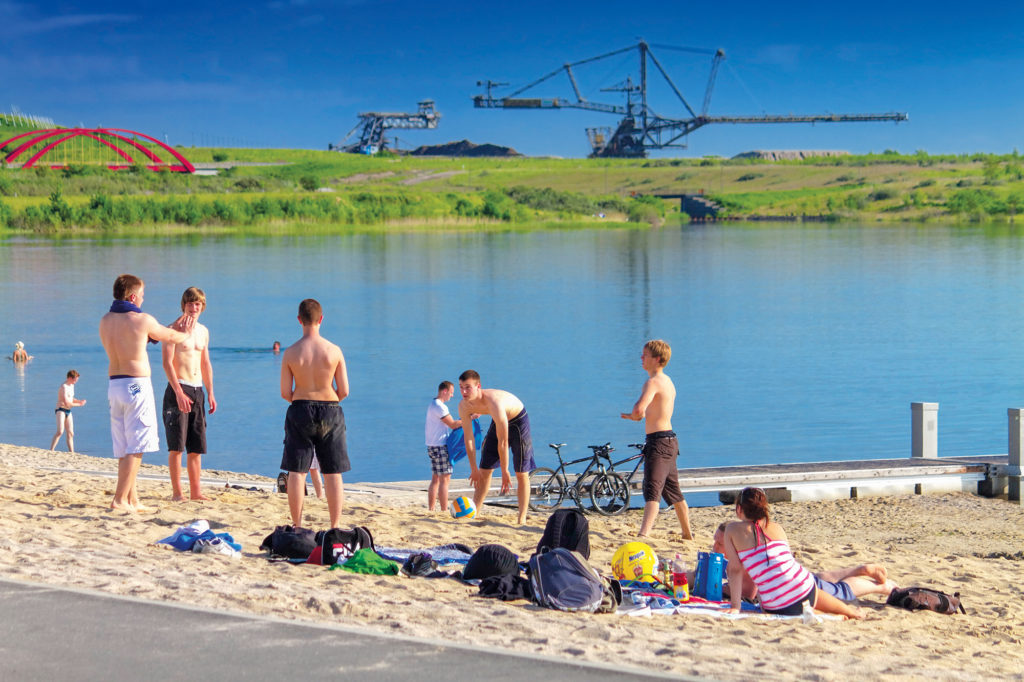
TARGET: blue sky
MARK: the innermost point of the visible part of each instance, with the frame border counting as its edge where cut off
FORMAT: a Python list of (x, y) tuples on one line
[(294, 73)]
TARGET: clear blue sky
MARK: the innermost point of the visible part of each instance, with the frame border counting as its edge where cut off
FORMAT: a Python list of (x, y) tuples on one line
[(294, 73)]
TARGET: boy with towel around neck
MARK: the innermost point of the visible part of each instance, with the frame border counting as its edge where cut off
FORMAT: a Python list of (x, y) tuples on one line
[(124, 332)]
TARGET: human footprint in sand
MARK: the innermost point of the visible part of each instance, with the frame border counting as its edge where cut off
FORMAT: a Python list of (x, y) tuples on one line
[(509, 430), (757, 546), (845, 584), (124, 332), (188, 368)]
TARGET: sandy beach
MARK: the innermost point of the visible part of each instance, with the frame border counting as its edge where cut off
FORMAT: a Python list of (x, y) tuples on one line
[(56, 528)]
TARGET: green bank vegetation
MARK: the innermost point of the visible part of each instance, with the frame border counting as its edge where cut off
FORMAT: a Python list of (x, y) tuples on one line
[(272, 187)]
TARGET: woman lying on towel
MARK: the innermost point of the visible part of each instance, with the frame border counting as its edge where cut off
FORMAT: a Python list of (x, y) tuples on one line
[(758, 546)]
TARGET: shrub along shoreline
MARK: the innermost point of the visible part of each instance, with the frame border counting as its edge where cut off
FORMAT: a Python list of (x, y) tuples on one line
[(270, 187), (515, 206)]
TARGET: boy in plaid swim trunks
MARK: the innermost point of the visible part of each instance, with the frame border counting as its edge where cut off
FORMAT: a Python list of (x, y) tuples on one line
[(439, 425)]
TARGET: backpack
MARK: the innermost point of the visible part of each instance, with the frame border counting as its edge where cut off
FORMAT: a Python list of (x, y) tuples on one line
[(563, 580), (289, 542), (566, 528), (925, 599), (336, 546)]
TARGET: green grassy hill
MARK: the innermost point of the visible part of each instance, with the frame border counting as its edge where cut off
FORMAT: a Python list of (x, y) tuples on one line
[(287, 186)]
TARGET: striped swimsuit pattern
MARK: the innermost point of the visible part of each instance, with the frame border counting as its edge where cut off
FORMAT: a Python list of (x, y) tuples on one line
[(780, 580)]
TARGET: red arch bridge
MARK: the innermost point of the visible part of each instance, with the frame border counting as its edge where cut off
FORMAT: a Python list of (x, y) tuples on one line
[(59, 145)]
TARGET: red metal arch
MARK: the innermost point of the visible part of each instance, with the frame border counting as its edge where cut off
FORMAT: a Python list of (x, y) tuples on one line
[(75, 132), (170, 150), (65, 134)]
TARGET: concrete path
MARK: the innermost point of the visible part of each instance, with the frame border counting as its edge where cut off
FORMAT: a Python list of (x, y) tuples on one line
[(49, 633)]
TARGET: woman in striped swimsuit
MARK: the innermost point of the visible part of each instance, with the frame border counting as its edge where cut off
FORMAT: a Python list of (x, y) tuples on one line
[(758, 546)]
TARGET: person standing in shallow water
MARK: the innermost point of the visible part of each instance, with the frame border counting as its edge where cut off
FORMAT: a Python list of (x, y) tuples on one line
[(661, 450), (65, 401), (314, 380), (20, 356), (188, 369)]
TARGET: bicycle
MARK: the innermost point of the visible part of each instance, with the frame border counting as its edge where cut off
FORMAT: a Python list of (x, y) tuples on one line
[(611, 509), (551, 488)]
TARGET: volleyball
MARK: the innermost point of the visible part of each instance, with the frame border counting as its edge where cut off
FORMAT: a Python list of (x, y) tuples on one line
[(462, 508), (634, 561)]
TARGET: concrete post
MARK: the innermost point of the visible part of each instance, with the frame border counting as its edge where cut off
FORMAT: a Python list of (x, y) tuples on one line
[(1013, 471), (924, 430)]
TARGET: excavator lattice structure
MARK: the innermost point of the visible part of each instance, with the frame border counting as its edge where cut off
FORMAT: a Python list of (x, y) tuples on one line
[(373, 124), (641, 129)]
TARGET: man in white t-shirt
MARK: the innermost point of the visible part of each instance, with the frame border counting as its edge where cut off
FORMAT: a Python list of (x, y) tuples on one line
[(439, 425)]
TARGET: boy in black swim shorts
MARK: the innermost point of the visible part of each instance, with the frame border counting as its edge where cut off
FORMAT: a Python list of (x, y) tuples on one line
[(314, 380)]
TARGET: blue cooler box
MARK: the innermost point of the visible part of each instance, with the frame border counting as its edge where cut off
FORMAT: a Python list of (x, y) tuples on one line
[(707, 583)]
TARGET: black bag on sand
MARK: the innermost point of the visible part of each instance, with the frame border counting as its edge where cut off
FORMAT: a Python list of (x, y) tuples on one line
[(491, 560), (567, 528), (336, 546), (563, 580), (290, 542), (925, 599)]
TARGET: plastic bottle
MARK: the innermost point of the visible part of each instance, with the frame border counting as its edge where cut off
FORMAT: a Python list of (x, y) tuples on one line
[(680, 588), (665, 575)]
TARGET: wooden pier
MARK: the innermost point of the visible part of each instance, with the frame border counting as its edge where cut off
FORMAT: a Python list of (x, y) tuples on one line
[(802, 481)]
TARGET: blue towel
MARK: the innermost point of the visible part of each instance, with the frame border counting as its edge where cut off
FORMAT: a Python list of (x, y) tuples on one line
[(124, 307), (456, 444)]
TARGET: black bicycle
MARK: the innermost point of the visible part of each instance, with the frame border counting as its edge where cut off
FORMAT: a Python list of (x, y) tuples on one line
[(606, 489), (617, 505)]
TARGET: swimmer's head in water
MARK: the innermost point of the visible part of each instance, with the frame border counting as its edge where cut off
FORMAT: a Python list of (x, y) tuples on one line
[(19, 345)]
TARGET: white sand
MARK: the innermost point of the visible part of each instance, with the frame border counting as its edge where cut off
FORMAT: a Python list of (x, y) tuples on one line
[(951, 542)]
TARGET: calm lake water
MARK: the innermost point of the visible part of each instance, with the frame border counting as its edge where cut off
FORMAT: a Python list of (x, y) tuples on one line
[(790, 343)]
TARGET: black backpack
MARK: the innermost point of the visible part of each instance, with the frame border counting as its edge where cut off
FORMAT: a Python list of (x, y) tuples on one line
[(925, 599), (563, 580), (566, 528), (290, 542), (336, 546)]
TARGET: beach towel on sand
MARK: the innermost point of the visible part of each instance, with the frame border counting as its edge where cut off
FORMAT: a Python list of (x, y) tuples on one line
[(646, 599), (452, 553)]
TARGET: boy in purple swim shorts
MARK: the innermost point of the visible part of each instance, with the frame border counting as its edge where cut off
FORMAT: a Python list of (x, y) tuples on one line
[(509, 431)]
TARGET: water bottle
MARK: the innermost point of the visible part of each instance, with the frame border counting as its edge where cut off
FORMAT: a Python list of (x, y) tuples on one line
[(665, 573), (680, 588)]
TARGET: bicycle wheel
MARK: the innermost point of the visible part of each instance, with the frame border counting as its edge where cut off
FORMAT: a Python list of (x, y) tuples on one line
[(609, 494), (547, 489)]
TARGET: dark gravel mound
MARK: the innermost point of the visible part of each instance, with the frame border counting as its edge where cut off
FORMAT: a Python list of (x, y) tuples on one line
[(464, 148)]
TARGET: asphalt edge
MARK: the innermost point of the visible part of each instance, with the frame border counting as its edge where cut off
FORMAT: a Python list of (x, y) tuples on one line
[(605, 667)]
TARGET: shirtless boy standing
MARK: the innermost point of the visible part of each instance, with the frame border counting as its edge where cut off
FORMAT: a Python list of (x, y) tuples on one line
[(314, 380), (124, 332), (510, 429), (188, 368), (655, 406), (65, 401)]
